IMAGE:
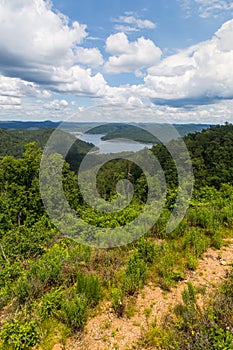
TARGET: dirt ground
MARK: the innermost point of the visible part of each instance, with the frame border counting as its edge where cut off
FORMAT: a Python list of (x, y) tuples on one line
[(106, 331)]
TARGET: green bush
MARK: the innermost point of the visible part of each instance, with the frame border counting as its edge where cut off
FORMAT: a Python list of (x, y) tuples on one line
[(169, 264), (135, 274), (89, 287), (9, 273), (74, 311), (48, 269), (210, 329), (196, 242), (117, 297), (146, 250), (50, 303), (22, 290), (216, 240), (18, 336)]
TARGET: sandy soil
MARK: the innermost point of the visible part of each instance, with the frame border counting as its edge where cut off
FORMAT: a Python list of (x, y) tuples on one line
[(106, 331)]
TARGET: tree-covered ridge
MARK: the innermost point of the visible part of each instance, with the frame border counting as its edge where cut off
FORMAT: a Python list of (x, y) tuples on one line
[(211, 152), (29, 125), (13, 143), (142, 132), (212, 155), (50, 284)]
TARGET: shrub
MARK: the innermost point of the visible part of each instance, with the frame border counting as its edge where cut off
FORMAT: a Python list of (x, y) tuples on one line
[(89, 287), (50, 303), (216, 240), (196, 242), (74, 311), (146, 250), (48, 269), (117, 297), (135, 274), (19, 336), (22, 290)]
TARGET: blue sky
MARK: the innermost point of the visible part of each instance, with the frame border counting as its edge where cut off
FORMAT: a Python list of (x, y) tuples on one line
[(172, 60)]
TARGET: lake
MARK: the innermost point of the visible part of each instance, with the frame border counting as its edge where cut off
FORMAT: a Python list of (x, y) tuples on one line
[(112, 146)]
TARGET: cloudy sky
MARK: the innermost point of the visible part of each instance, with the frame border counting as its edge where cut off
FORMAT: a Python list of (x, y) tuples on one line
[(172, 60)]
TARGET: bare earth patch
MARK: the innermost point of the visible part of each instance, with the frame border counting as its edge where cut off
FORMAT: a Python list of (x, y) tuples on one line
[(106, 331)]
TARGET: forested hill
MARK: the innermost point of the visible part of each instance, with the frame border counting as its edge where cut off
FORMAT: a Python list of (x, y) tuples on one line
[(52, 285), (13, 142), (211, 151), (19, 125), (212, 155), (141, 132)]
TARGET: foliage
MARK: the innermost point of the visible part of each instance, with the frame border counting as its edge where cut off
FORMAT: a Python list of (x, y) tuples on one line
[(18, 336), (146, 250), (88, 285), (54, 280), (117, 298), (74, 311), (135, 274)]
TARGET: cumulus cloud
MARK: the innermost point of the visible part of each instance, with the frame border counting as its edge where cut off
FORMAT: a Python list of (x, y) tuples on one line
[(131, 22), (38, 45), (202, 72), (56, 104), (19, 88), (130, 56), (78, 81), (89, 57)]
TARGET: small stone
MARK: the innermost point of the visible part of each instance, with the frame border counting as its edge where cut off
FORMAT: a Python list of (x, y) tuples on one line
[(223, 262), (58, 347)]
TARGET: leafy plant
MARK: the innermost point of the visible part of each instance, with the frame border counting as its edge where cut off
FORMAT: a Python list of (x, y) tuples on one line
[(18, 336), (117, 297), (74, 311), (135, 274), (88, 285)]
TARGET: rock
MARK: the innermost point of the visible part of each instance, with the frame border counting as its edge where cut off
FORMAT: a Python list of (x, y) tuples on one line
[(58, 347), (223, 262)]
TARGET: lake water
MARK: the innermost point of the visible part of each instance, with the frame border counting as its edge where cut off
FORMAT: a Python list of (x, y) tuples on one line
[(112, 146)]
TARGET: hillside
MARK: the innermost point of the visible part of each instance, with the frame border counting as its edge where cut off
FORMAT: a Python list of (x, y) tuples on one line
[(211, 152), (13, 143), (159, 291), (141, 132)]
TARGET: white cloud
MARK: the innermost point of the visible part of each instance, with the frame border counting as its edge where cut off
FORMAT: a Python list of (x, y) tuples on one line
[(78, 81), (204, 71), (31, 30), (56, 104), (130, 56), (130, 22), (19, 88), (89, 57), (38, 45), (9, 101), (207, 8)]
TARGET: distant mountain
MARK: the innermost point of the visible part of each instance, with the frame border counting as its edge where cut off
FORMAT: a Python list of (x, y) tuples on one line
[(28, 125)]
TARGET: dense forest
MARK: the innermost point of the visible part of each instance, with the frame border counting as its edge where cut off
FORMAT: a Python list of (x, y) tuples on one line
[(50, 284), (142, 132)]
